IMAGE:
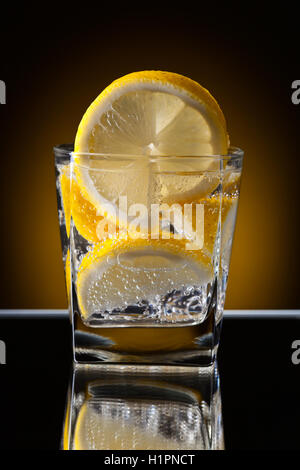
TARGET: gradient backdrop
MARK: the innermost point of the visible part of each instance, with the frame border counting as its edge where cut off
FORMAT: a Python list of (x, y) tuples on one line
[(55, 63)]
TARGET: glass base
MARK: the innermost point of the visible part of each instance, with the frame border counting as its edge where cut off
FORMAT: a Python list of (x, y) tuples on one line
[(180, 345)]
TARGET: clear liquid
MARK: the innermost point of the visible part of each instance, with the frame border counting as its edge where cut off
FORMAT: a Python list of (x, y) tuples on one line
[(147, 288)]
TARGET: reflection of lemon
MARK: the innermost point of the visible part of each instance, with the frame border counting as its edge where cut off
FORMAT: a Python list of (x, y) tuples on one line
[(97, 429), (221, 208), (143, 114), (66, 426), (65, 188), (215, 211), (231, 183), (68, 275), (218, 208), (92, 226), (118, 273)]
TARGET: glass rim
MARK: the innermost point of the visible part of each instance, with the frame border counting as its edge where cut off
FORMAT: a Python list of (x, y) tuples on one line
[(234, 153)]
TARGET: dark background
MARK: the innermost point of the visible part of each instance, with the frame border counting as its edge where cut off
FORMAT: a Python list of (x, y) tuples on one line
[(56, 60)]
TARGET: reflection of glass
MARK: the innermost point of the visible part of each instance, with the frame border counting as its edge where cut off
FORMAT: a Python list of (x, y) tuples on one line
[(159, 270), (62, 160), (126, 407)]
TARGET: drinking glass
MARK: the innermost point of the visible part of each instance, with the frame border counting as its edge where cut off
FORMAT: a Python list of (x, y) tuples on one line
[(146, 246)]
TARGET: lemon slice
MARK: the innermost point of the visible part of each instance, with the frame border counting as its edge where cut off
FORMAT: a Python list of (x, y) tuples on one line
[(118, 274), (68, 275), (90, 225), (148, 113), (217, 208)]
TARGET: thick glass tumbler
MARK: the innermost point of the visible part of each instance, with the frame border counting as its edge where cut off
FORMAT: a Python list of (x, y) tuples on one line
[(147, 242)]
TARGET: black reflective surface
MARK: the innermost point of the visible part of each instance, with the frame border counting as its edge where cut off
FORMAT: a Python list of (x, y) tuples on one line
[(259, 383)]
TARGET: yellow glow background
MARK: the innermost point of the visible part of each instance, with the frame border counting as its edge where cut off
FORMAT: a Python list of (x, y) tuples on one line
[(47, 95)]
